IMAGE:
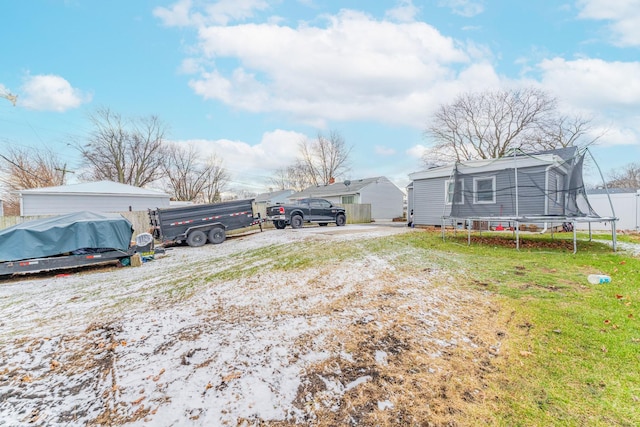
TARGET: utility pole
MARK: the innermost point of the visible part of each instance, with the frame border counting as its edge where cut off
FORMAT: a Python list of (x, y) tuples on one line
[(64, 170)]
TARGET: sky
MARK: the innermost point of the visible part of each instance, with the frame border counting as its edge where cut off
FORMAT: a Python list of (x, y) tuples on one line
[(249, 80)]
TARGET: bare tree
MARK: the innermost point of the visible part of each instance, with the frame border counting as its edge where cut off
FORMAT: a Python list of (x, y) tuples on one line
[(188, 178), (565, 131), (320, 162), (126, 151), (184, 174), (488, 124), (325, 158), (217, 179), (27, 168), (292, 177), (627, 177)]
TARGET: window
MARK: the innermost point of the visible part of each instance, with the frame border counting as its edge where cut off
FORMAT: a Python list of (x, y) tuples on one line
[(453, 194), (348, 200), (559, 188), (484, 190)]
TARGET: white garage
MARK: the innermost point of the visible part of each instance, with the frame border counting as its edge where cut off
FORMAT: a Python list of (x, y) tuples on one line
[(100, 196)]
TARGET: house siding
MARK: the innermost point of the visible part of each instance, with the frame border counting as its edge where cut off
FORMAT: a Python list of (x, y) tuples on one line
[(58, 204), (626, 207), (555, 195), (385, 198), (428, 201), (534, 196)]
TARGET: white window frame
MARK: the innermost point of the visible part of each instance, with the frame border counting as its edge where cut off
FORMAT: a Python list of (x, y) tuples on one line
[(352, 197), (448, 200), (559, 188), (493, 190)]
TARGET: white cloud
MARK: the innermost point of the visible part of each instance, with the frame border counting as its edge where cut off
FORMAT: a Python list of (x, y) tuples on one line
[(178, 15), (466, 8), (50, 93), (593, 83), (384, 151), (405, 11), (355, 68), (417, 151), (185, 13), (253, 165), (623, 16), (606, 92)]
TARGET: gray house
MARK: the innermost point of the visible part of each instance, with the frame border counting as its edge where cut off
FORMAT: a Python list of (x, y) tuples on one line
[(101, 196), (385, 198), (537, 187)]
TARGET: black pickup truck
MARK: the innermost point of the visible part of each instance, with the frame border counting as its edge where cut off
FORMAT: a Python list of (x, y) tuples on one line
[(320, 211)]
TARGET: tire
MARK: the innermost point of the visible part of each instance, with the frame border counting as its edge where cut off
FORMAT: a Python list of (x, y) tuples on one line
[(217, 235), (279, 224), (296, 221), (196, 238), (341, 220), (322, 224)]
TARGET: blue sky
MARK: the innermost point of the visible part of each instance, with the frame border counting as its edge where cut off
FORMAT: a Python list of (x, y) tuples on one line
[(249, 79)]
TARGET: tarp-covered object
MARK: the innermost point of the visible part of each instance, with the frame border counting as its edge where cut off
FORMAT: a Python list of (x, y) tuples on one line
[(64, 234)]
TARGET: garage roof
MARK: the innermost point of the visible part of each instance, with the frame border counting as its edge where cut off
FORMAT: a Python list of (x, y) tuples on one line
[(98, 187)]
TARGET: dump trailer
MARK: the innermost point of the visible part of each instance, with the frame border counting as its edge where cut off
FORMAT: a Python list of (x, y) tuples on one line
[(197, 224), (68, 241)]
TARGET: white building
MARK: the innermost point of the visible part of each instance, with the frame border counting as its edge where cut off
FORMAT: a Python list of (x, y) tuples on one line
[(385, 198), (626, 207), (100, 196)]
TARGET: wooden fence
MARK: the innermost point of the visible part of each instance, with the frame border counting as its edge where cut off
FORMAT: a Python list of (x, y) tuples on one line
[(139, 220), (358, 213)]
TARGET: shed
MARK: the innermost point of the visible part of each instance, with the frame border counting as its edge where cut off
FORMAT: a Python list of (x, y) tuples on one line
[(385, 198), (623, 203), (100, 196)]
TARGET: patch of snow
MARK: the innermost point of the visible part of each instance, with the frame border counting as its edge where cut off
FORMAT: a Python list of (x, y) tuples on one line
[(385, 404), (162, 344), (381, 357)]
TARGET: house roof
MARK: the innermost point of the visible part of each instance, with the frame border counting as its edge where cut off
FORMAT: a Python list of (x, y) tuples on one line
[(265, 197), (492, 165), (346, 187), (613, 191), (97, 188)]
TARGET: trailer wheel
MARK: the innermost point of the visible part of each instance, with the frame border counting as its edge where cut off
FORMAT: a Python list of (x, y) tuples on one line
[(217, 235), (196, 238), (279, 224), (341, 220), (296, 221)]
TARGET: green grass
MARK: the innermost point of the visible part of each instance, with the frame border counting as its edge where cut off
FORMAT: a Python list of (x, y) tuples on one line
[(572, 353)]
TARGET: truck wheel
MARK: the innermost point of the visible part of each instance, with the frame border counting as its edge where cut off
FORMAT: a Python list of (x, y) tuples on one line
[(296, 221), (196, 238), (280, 224), (217, 235), (341, 220)]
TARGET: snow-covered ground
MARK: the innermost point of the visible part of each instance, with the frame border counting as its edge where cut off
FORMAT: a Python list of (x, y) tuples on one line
[(168, 344)]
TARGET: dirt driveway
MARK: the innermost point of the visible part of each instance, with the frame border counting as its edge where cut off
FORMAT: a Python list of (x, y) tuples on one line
[(241, 334)]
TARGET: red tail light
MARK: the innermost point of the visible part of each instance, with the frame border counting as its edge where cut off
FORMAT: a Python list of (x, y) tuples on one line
[(281, 210)]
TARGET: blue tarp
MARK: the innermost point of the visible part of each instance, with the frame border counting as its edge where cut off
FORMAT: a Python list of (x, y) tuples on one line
[(65, 234)]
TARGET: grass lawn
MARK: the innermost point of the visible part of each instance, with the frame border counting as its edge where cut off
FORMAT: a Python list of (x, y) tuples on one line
[(572, 350)]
